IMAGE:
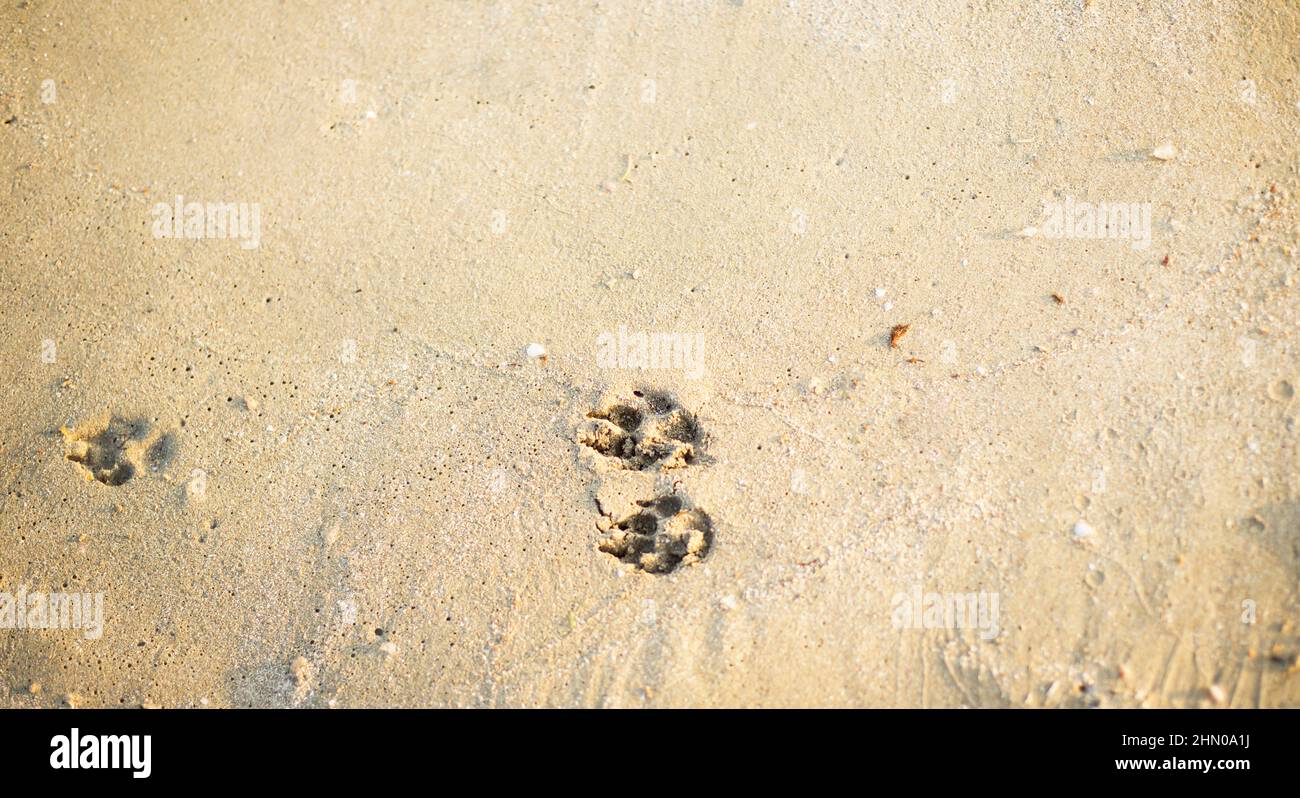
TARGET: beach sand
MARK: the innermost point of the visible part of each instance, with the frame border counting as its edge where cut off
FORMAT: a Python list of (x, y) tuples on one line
[(308, 457)]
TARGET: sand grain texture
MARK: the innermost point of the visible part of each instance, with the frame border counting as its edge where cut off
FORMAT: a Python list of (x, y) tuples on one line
[(371, 494)]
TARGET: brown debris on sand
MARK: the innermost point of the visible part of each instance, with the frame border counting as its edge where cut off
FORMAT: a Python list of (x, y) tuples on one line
[(897, 333)]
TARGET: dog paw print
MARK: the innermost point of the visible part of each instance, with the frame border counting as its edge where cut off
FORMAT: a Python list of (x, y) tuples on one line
[(661, 537), (112, 449), (649, 431)]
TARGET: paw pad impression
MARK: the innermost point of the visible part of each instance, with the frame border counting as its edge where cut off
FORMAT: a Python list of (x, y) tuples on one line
[(649, 431), (112, 449), (662, 536)]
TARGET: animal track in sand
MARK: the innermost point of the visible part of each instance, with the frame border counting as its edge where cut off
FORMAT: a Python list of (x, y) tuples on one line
[(112, 449), (664, 535), (648, 431)]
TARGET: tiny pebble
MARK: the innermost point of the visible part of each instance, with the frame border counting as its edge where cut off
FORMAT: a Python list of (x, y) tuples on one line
[(1082, 529)]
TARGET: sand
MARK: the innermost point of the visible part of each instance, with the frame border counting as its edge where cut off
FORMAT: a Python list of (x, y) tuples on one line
[(548, 354)]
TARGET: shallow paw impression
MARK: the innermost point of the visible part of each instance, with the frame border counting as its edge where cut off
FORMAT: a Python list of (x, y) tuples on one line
[(661, 537), (112, 449), (648, 431)]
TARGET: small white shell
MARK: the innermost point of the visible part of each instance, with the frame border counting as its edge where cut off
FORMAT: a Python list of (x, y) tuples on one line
[(1165, 152)]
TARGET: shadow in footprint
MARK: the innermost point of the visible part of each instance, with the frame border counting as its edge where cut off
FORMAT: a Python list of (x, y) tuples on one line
[(112, 449), (645, 432), (664, 535)]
